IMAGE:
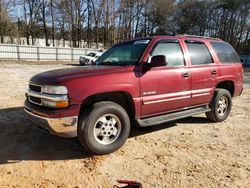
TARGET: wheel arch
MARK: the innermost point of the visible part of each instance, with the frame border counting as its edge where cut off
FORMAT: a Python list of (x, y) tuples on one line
[(120, 97), (227, 85)]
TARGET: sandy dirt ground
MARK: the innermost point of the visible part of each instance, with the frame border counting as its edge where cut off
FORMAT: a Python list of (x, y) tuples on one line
[(192, 152)]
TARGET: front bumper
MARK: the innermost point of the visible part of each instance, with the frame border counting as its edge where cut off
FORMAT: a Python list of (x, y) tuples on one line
[(64, 127)]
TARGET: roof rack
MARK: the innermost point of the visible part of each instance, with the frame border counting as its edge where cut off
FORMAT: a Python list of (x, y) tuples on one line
[(197, 36)]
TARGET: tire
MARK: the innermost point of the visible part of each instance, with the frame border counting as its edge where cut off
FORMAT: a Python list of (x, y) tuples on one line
[(86, 62), (82, 64), (103, 128), (220, 106)]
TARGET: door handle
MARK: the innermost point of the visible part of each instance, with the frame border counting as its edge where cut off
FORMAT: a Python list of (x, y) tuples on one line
[(185, 75), (213, 72)]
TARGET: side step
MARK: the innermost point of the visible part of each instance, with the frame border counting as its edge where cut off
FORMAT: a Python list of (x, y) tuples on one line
[(172, 116)]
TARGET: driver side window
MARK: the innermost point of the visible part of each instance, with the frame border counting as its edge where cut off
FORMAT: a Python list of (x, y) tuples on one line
[(172, 51)]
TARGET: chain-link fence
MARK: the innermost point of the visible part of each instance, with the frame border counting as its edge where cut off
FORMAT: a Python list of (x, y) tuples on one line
[(39, 53)]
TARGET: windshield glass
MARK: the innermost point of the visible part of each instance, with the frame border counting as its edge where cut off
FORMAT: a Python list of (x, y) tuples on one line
[(124, 54)]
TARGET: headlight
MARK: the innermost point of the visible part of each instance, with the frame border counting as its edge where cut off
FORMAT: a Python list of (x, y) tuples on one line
[(50, 96), (56, 90)]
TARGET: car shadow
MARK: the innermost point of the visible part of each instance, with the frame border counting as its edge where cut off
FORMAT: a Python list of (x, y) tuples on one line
[(194, 120), (20, 140), (137, 131)]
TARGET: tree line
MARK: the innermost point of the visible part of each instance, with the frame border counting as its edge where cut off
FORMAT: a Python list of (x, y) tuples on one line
[(83, 22)]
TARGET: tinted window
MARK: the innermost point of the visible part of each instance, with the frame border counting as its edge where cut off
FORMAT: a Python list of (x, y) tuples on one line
[(172, 51), (127, 53), (199, 53), (225, 52)]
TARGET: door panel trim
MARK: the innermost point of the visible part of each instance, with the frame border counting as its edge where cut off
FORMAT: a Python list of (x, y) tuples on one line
[(166, 100), (201, 92), (166, 97), (176, 96), (199, 95)]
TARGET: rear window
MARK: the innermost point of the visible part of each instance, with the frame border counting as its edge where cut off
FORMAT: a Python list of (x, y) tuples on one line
[(225, 52)]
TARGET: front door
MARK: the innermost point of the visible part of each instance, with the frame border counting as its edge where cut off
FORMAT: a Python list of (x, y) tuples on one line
[(165, 89)]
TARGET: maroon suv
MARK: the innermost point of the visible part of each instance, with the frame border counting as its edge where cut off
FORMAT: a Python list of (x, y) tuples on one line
[(146, 82)]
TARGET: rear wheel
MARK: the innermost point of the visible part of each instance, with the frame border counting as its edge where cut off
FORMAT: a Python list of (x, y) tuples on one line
[(220, 106), (103, 128)]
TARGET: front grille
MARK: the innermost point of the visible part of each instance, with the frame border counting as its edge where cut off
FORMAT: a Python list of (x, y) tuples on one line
[(35, 100), (35, 88)]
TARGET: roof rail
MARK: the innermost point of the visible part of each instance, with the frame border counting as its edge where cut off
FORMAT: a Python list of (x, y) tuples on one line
[(197, 36)]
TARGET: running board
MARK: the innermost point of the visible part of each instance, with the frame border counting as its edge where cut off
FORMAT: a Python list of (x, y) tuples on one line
[(172, 116)]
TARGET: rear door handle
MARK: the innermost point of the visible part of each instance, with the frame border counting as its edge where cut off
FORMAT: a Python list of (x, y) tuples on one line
[(185, 75), (214, 72)]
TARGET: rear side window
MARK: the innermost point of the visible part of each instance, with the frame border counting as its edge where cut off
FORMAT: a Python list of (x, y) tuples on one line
[(172, 51), (225, 52), (199, 53)]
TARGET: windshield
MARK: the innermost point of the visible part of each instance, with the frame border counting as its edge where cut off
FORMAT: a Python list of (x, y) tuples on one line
[(124, 54)]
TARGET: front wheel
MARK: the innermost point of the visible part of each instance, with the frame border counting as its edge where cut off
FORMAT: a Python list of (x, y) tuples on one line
[(103, 128), (220, 106)]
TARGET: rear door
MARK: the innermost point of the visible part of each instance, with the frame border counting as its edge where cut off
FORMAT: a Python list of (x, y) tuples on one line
[(165, 89), (230, 65), (204, 72)]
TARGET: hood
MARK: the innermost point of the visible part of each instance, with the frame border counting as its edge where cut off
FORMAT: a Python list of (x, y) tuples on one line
[(85, 56), (59, 75)]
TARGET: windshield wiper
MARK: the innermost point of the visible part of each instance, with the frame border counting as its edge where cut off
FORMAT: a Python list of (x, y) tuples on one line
[(112, 63), (104, 63)]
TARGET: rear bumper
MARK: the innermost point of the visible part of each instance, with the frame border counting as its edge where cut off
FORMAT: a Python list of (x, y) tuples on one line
[(64, 127)]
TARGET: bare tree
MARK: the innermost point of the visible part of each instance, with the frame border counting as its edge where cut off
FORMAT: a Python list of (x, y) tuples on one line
[(97, 10), (110, 21), (43, 7), (6, 6), (52, 13)]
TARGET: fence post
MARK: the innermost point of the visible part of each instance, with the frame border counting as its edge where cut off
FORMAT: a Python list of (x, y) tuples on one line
[(38, 53), (72, 54), (18, 52), (56, 54)]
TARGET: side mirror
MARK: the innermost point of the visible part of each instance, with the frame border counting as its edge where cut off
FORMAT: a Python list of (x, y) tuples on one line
[(158, 61)]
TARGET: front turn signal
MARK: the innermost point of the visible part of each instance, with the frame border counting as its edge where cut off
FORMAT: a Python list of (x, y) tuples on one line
[(62, 104)]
